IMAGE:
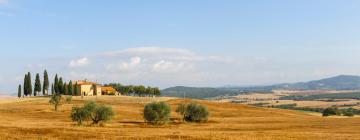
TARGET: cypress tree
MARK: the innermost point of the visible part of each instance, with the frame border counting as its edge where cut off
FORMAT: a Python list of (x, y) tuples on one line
[(29, 85), (70, 88), (60, 86), (37, 87), (46, 83), (65, 88), (25, 85), (56, 82), (76, 89), (19, 91), (52, 89)]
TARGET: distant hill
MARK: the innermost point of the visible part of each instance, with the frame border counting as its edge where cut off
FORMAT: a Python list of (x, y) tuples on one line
[(208, 92), (341, 82), (196, 92)]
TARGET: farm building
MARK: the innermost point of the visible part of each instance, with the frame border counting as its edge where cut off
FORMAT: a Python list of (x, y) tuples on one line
[(93, 89), (109, 91), (89, 88)]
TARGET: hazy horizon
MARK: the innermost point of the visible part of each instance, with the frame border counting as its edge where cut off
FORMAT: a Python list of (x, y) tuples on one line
[(179, 43)]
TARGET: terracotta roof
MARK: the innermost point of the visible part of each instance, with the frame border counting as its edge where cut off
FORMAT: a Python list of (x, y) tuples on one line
[(86, 83), (108, 89)]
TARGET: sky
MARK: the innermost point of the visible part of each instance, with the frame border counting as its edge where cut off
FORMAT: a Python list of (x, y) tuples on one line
[(179, 42)]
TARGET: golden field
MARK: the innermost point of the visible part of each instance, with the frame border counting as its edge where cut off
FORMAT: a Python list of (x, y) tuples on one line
[(34, 118)]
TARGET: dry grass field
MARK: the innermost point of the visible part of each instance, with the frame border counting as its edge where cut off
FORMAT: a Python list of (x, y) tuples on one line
[(35, 119)]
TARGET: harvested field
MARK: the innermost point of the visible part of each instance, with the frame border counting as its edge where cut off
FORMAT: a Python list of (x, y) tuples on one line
[(35, 119)]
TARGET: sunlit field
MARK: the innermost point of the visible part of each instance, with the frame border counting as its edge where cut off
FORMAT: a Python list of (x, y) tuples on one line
[(35, 119)]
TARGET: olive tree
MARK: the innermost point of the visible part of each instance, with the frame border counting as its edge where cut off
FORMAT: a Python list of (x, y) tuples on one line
[(181, 110), (331, 111), (55, 100), (79, 115), (196, 113), (157, 113), (92, 111)]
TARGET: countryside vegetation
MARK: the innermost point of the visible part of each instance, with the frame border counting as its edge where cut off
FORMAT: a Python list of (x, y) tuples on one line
[(63, 114), (34, 118)]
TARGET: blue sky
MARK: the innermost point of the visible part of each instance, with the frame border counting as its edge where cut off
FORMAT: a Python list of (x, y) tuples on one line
[(181, 42)]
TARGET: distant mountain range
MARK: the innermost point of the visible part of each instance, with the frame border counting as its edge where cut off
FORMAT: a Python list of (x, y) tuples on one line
[(341, 82)]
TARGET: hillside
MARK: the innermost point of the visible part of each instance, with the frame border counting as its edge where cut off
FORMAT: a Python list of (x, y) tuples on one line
[(195, 92), (342, 82), (34, 119)]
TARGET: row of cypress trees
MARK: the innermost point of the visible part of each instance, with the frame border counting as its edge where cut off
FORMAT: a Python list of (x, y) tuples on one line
[(58, 87)]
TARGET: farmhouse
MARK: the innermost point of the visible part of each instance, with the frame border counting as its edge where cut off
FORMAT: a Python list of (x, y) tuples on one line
[(93, 89), (109, 91), (89, 88)]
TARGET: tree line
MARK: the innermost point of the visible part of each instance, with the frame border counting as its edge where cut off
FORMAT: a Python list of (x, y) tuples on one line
[(57, 87), (61, 87), (135, 90)]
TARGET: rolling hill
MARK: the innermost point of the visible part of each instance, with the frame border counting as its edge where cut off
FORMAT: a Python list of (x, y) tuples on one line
[(195, 92), (341, 82), (33, 118)]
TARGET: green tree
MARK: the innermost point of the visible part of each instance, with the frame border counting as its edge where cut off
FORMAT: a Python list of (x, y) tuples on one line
[(76, 89), (29, 85), (102, 113), (149, 91), (181, 110), (60, 86), (26, 85), (52, 89), (92, 111), (37, 88), (157, 91), (157, 113), (55, 100), (331, 111), (196, 113), (140, 90), (56, 83), (79, 115), (65, 89), (70, 88), (46, 84), (19, 91)]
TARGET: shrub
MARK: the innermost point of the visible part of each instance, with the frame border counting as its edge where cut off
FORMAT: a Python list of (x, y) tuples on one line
[(286, 106), (350, 112), (55, 100), (196, 113), (181, 110), (79, 114), (102, 113), (331, 111), (69, 99), (157, 113), (92, 111)]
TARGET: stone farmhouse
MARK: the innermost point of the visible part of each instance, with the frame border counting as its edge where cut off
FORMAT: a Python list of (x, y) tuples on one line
[(93, 89)]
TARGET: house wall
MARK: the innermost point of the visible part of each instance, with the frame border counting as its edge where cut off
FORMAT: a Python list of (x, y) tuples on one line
[(98, 90), (88, 90)]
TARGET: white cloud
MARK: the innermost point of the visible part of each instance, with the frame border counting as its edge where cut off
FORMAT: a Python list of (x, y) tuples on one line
[(149, 51), (171, 67), (125, 66), (175, 54), (79, 62), (152, 66)]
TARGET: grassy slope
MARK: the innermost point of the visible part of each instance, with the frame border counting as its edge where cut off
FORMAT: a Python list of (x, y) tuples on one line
[(35, 119)]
